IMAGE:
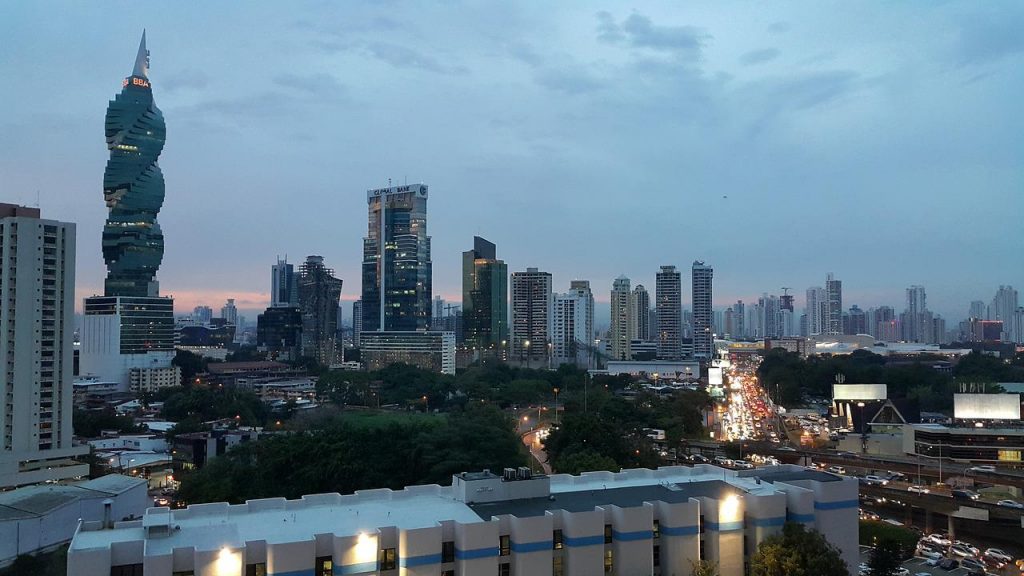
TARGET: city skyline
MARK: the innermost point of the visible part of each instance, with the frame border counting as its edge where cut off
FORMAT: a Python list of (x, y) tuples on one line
[(559, 95)]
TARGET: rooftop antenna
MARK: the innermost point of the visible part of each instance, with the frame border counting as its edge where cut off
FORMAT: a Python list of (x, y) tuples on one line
[(785, 290)]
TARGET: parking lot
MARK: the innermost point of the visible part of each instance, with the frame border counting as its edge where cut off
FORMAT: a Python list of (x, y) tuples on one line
[(919, 565)]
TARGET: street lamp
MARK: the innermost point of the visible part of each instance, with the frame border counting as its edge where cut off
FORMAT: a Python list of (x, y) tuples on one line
[(556, 406), (526, 348), (863, 437)]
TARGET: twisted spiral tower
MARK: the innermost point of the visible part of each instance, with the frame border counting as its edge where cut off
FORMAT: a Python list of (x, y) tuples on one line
[(133, 186)]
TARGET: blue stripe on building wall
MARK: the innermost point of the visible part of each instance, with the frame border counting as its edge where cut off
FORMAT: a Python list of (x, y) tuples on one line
[(724, 526), (680, 530), (793, 517), (413, 561), (526, 547), (768, 522), (838, 505), (633, 536), (476, 554), (581, 541), (361, 568)]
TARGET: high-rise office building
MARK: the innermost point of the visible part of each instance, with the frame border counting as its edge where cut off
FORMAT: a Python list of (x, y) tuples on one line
[(284, 284), (669, 306), (357, 321), (279, 332), (977, 310), (739, 311), (916, 320), (641, 317), (128, 333), (229, 312), (834, 306), (573, 325), (319, 292), (855, 321), (437, 315), (703, 341), (202, 315), (620, 335), (484, 298), (396, 260), (37, 311), (532, 307)]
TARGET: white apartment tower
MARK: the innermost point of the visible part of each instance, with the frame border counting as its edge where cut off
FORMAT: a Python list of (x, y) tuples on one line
[(573, 325), (532, 307), (37, 312), (622, 320), (817, 311), (669, 307), (641, 313), (703, 339), (834, 306)]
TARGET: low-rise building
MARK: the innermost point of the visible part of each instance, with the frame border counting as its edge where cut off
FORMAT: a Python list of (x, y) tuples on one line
[(429, 350), (635, 522), (678, 370), (194, 450)]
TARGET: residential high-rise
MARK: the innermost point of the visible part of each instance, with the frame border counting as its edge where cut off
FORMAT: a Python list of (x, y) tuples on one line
[(128, 333), (202, 315), (279, 332), (703, 341), (977, 310), (834, 306), (669, 306), (357, 321), (739, 311), (917, 321), (883, 321), (1004, 308), (573, 325), (532, 307), (620, 334), (816, 308), (37, 312), (855, 321), (397, 230), (284, 284), (229, 312), (319, 292), (641, 318), (484, 298)]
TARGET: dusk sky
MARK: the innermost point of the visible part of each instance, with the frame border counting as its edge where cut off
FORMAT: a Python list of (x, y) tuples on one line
[(880, 141)]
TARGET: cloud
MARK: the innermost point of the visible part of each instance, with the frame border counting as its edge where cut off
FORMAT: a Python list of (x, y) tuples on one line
[(607, 29), (684, 42), (184, 80), (759, 56), (319, 84), (572, 79), (989, 38)]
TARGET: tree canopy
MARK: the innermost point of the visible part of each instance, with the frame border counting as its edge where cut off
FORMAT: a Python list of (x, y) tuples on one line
[(797, 551)]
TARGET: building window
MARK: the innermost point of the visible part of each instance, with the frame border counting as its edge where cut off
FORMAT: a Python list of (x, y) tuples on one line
[(324, 566), (607, 533), (257, 569), (656, 530), (702, 555), (607, 561), (448, 551), (504, 569), (126, 570), (556, 540), (184, 573), (388, 559), (701, 525), (448, 573), (558, 566), (504, 546), (657, 556)]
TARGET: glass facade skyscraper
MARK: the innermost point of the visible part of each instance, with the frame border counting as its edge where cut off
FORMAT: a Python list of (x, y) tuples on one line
[(484, 297), (396, 289), (133, 186)]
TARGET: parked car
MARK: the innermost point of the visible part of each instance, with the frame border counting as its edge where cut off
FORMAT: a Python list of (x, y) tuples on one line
[(918, 489), (723, 461), (961, 551), (949, 564), (972, 564), (837, 469), (929, 553), (997, 554), (984, 468), (874, 480), (940, 539), (699, 459), (962, 494), (1010, 504), (894, 475), (974, 549), (901, 571), (742, 465)]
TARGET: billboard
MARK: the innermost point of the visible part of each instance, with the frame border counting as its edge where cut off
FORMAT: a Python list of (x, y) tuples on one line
[(714, 376), (859, 392), (986, 406)]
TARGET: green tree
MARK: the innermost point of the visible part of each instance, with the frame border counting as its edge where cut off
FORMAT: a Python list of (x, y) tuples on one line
[(586, 461), (886, 558), (797, 551), (703, 568)]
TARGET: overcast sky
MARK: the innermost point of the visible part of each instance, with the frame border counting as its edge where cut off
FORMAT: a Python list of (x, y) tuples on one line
[(880, 141)]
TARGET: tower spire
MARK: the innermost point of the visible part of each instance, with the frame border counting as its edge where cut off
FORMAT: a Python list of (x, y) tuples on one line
[(142, 59)]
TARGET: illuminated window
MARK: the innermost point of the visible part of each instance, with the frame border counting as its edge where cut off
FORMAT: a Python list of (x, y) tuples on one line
[(556, 540), (607, 533), (324, 566), (388, 559), (504, 546), (607, 561), (1010, 455), (656, 531), (558, 566), (258, 569)]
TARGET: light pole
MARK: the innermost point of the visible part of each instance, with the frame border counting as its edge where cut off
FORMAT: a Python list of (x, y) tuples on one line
[(556, 406), (526, 347), (426, 405), (863, 438)]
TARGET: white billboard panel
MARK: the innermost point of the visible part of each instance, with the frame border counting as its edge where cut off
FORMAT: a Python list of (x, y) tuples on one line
[(714, 376), (986, 406), (859, 392)]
